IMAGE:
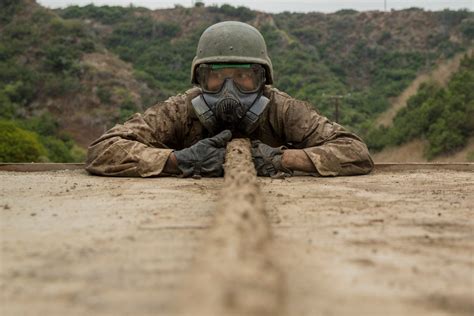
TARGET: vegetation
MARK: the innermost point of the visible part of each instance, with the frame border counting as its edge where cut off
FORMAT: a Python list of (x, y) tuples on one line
[(59, 146), (157, 59), (36, 62), (37, 139), (19, 145), (241, 13), (314, 55), (443, 116), (105, 14), (356, 60)]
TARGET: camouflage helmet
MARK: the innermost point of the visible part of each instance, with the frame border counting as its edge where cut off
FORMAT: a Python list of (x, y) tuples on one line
[(232, 42)]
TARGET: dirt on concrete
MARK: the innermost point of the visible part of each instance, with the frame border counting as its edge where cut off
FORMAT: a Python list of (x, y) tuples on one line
[(391, 243), (235, 272)]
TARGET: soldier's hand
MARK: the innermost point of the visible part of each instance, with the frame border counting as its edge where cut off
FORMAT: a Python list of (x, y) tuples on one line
[(205, 158), (267, 160)]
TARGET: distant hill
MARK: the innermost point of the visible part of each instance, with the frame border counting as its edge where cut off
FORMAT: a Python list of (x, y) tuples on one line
[(86, 68), (440, 115), (441, 74)]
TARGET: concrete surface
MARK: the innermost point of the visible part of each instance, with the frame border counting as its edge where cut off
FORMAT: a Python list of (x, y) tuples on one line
[(391, 243)]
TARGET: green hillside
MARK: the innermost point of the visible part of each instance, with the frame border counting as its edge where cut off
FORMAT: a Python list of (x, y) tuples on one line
[(443, 116), (82, 69), (372, 56), (38, 59), (52, 84)]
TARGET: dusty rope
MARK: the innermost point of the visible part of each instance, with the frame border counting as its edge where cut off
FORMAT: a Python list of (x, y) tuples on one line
[(235, 273)]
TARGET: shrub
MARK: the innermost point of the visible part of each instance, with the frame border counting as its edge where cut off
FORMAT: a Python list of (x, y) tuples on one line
[(59, 147), (127, 109), (443, 138), (105, 14), (243, 13), (443, 116), (470, 156), (467, 28), (346, 12), (104, 94), (19, 145), (7, 108), (60, 85), (451, 18), (44, 124), (58, 150), (59, 58), (8, 9)]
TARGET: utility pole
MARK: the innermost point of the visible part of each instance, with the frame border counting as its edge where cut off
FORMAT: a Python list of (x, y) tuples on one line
[(385, 5), (336, 99)]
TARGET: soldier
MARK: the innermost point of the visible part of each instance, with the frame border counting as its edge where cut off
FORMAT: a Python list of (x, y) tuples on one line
[(187, 134)]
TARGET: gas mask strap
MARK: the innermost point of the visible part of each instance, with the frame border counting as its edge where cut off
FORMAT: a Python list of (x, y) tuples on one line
[(250, 120), (204, 113)]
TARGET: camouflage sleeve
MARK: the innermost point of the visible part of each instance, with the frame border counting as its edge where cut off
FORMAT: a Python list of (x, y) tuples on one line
[(139, 147), (333, 150)]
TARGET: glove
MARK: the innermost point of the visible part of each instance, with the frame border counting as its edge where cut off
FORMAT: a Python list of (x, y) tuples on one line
[(205, 158), (267, 160)]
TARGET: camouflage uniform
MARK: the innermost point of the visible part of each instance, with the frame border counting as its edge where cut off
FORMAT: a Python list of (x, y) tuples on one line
[(141, 146)]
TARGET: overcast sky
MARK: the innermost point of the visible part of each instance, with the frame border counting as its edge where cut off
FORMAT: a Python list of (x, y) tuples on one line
[(282, 5)]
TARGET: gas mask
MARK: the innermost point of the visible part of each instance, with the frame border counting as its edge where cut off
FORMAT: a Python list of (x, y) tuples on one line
[(232, 98)]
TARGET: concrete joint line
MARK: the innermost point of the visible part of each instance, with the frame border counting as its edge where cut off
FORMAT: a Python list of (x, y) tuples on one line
[(235, 273)]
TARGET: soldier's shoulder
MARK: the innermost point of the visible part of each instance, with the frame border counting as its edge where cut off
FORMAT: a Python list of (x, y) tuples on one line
[(283, 101), (276, 95), (178, 101), (184, 98), (281, 98)]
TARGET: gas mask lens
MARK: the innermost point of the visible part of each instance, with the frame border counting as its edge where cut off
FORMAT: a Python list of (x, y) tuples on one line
[(248, 78)]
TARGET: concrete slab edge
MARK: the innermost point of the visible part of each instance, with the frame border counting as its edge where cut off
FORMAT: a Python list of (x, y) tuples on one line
[(379, 167)]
